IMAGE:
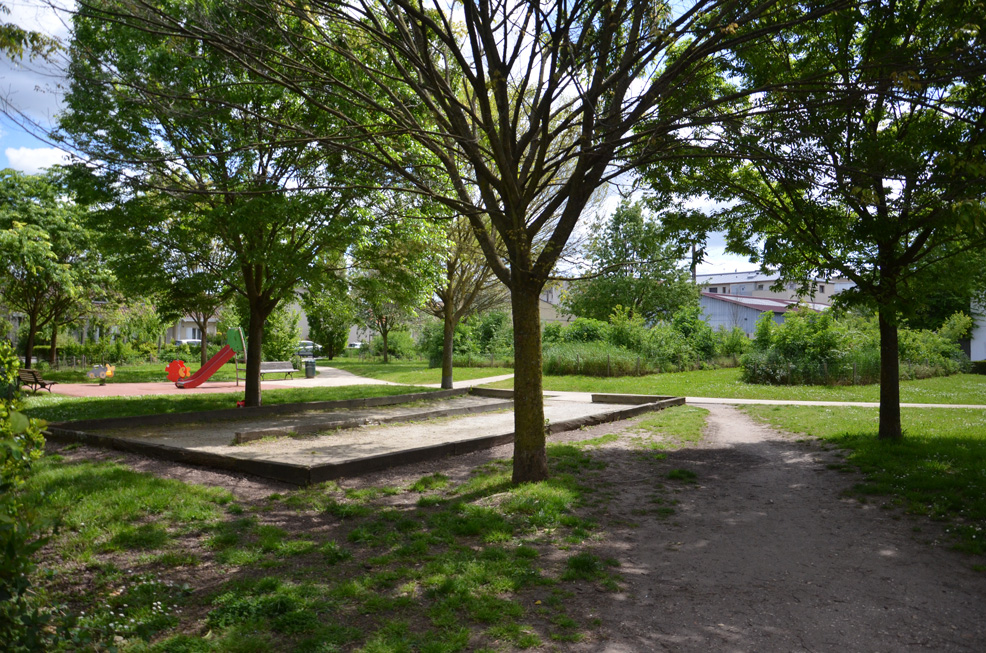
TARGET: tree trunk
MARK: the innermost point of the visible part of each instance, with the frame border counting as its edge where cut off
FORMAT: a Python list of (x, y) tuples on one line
[(530, 459), (890, 428), (32, 334), (53, 353), (203, 350), (384, 332), (448, 341), (255, 340)]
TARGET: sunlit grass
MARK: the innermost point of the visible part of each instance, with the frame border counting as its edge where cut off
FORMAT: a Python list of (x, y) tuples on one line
[(957, 389), (412, 372)]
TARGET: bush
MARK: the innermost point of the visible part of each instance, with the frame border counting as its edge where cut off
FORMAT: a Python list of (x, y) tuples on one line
[(400, 344), (627, 330), (585, 329), (431, 342), (812, 348), (668, 349), (281, 335), (22, 530)]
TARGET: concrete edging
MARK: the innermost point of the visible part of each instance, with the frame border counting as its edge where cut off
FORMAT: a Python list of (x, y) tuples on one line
[(622, 398), (308, 474)]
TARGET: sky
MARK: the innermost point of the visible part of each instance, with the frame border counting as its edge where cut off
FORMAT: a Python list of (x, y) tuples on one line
[(33, 89)]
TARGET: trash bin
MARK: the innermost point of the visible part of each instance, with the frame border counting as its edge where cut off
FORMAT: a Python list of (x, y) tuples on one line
[(310, 368)]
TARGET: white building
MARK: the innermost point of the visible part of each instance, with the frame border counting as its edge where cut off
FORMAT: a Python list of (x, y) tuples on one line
[(977, 345), (728, 311), (758, 284)]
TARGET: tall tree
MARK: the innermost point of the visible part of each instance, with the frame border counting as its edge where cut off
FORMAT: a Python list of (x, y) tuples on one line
[(191, 172), (526, 107), (468, 286), (630, 265), (54, 273), (877, 172)]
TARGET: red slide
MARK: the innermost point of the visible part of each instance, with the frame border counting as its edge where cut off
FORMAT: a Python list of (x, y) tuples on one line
[(207, 370)]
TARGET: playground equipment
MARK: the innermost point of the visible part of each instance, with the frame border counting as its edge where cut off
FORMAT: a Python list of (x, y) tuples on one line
[(176, 371), (101, 372), (234, 345)]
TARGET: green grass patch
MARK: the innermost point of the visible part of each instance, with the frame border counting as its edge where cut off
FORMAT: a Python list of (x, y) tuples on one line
[(672, 428), (937, 470), (410, 372), (56, 408), (957, 389)]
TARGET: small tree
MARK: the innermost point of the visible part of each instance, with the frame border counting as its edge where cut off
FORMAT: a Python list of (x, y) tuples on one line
[(630, 265), (468, 287)]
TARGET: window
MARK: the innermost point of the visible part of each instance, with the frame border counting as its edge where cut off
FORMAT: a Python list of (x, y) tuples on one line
[(821, 288), (759, 286), (713, 290)]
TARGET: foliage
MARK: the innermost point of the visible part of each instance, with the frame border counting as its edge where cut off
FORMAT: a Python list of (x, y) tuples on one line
[(54, 273), (875, 172), (22, 528), (281, 334), (593, 358), (818, 348), (400, 344), (194, 184), (584, 329), (636, 270), (330, 316)]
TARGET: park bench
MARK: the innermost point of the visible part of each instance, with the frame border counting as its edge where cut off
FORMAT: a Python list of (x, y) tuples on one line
[(277, 367), (33, 378)]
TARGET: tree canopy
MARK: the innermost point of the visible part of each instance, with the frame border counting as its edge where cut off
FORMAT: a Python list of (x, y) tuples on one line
[(630, 265), (876, 172)]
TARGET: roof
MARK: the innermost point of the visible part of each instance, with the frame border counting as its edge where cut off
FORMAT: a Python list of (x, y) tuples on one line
[(765, 304), (735, 277), (751, 276)]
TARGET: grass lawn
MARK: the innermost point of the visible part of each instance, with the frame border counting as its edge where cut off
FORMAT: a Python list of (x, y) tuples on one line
[(938, 470), (412, 372), (957, 389), (140, 373), (434, 564), (57, 408)]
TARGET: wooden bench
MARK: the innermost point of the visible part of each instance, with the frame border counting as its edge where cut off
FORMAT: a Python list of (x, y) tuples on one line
[(277, 367), (33, 378)]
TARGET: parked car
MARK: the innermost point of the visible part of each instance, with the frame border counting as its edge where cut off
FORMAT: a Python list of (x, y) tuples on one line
[(308, 349), (355, 345), (189, 342)]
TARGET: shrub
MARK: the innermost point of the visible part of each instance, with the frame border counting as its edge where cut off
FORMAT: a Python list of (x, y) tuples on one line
[(551, 333), (733, 343), (668, 349), (22, 530), (812, 348), (431, 342), (400, 344), (627, 330), (585, 329), (281, 335)]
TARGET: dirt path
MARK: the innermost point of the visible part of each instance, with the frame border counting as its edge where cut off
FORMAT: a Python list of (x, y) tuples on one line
[(764, 554)]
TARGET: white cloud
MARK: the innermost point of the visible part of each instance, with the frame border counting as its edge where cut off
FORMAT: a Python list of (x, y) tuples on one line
[(32, 159)]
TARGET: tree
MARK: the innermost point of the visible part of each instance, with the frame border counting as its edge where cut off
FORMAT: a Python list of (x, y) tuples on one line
[(399, 271), (190, 172), (631, 266), (527, 108), (331, 315), (468, 287), (54, 273), (877, 172)]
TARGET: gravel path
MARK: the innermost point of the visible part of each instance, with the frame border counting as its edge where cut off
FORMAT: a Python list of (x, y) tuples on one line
[(765, 554)]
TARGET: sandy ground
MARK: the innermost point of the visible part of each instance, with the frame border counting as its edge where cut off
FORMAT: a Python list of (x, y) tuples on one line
[(763, 553)]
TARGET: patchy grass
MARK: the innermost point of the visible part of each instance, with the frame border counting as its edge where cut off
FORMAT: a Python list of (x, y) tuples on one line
[(56, 408), (672, 428), (411, 372), (938, 469), (957, 389), (439, 564)]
